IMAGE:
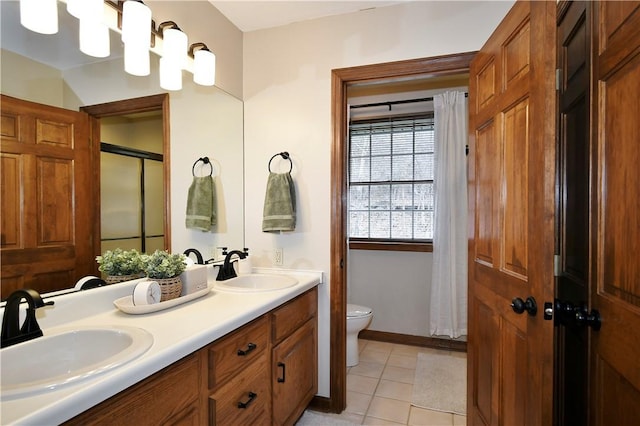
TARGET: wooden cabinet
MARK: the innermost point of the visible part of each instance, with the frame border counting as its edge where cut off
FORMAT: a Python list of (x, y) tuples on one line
[(294, 357), (233, 353), (266, 372), (245, 399), (170, 397), (240, 392)]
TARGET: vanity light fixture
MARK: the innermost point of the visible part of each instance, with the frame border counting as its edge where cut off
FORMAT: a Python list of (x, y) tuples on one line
[(204, 64), (174, 55), (132, 18), (136, 36), (40, 16)]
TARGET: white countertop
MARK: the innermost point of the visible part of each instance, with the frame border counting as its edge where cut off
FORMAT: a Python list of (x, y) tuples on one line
[(177, 332)]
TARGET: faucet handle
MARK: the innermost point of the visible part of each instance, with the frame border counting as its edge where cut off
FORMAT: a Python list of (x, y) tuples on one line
[(12, 332)]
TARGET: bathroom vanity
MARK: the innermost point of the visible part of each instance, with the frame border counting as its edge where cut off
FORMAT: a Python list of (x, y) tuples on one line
[(226, 358)]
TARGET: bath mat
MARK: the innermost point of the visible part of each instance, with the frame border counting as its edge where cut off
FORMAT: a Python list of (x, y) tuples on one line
[(311, 418), (440, 383)]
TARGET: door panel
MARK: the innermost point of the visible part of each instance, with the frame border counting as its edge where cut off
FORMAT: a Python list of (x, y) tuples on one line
[(616, 232), (46, 211), (511, 187), (515, 191)]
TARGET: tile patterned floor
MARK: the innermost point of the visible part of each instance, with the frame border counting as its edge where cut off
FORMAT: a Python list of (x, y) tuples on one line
[(380, 387)]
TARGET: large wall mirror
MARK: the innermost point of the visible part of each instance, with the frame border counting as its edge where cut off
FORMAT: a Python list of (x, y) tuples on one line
[(200, 121)]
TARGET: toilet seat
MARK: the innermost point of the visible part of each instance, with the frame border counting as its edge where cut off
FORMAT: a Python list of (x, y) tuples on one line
[(354, 311)]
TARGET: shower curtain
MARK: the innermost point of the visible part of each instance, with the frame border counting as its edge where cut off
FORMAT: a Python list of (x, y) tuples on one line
[(449, 280)]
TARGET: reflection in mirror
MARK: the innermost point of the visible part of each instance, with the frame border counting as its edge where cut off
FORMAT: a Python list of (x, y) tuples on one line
[(131, 183), (204, 121)]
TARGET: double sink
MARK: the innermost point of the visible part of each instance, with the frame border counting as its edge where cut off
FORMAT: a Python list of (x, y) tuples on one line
[(69, 356)]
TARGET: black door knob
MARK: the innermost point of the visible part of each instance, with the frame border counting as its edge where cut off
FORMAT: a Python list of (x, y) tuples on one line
[(570, 315), (588, 319), (529, 305), (517, 305)]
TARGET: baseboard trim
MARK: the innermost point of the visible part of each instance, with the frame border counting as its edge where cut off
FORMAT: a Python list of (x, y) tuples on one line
[(322, 404), (407, 339)]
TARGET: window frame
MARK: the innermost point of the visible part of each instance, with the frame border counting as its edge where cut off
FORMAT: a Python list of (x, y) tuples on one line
[(389, 244)]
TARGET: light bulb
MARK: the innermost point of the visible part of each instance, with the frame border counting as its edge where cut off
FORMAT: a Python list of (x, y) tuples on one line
[(136, 23), (136, 59), (170, 75), (174, 46), (94, 38), (204, 67), (40, 16)]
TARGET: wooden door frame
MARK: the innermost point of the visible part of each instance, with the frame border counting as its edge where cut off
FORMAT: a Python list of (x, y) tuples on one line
[(340, 80), (116, 108)]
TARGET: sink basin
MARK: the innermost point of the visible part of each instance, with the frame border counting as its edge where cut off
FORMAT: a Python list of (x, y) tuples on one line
[(68, 356), (252, 283)]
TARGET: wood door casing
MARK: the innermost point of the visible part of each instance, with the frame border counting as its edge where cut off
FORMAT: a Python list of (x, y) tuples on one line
[(615, 213), (46, 197), (340, 79), (511, 201)]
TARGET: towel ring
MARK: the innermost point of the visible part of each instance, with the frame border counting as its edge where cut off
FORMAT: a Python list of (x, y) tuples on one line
[(285, 155), (205, 160)]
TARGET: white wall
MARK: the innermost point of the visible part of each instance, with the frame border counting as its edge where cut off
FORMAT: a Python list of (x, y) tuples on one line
[(396, 285), (287, 94)]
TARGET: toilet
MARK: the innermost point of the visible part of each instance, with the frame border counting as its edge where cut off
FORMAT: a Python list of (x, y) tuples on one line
[(358, 318)]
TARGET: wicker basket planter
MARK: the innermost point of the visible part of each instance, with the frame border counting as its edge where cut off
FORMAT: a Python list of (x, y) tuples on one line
[(114, 279), (170, 288)]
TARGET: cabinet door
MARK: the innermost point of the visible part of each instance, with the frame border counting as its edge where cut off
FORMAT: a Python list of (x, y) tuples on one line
[(295, 379), (169, 397)]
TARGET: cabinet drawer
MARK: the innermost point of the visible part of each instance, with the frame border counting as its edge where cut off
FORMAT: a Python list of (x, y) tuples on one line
[(293, 314), (234, 352), (245, 399)]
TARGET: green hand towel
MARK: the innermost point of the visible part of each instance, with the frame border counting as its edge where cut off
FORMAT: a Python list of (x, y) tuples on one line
[(201, 212), (279, 212)]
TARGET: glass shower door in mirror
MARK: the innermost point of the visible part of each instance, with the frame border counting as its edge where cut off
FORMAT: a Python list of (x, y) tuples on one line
[(131, 183)]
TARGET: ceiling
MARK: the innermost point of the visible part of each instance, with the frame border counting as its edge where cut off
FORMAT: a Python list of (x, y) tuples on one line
[(251, 15)]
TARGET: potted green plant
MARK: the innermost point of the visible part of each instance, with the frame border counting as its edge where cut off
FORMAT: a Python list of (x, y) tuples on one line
[(165, 268), (121, 265)]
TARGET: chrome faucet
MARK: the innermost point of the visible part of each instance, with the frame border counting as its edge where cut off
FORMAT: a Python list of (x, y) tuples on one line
[(12, 333), (226, 270)]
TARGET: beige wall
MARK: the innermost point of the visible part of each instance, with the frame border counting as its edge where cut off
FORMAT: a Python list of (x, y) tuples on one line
[(26, 79), (287, 94)]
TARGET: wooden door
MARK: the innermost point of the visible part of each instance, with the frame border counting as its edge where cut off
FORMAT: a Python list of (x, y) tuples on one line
[(47, 210), (615, 364), (511, 198), (572, 219)]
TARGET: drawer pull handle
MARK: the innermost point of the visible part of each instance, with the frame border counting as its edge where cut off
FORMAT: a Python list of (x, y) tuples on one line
[(250, 347), (252, 396), (281, 365)]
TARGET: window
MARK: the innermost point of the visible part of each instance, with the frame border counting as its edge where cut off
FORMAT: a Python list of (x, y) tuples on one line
[(391, 180)]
